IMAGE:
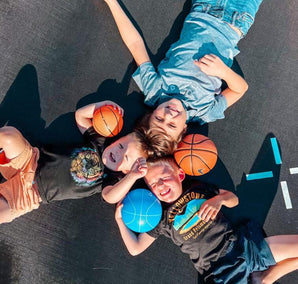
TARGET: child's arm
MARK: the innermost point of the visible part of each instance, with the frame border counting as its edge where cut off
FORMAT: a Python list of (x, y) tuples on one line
[(115, 193), (212, 65), (84, 115), (135, 244), (211, 207), (129, 33)]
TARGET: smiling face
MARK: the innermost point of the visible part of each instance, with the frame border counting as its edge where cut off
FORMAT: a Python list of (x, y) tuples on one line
[(169, 116), (165, 181), (121, 155)]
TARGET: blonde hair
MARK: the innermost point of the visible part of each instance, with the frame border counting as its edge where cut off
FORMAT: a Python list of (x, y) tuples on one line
[(163, 161)]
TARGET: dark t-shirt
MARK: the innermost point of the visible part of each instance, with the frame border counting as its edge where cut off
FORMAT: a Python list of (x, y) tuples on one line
[(73, 173), (203, 241)]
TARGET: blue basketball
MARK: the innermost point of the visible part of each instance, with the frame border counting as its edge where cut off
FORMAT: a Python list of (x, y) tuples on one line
[(141, 210)]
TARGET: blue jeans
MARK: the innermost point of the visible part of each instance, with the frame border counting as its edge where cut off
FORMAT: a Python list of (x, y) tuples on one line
[(239, 13)]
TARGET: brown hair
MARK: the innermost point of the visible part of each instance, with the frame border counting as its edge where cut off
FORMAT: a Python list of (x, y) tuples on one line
[(158, 142), (154, 143)]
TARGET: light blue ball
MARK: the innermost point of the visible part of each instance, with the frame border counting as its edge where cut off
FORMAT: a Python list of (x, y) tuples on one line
[(141, 210)]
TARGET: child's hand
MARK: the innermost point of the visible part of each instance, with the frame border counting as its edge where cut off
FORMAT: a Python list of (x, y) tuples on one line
[(118, 215), (139, 168), (111, 103), (211, 65), (210, 208)]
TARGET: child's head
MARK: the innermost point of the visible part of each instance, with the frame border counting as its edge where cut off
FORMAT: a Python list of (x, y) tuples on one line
[(154, 143), (170, 117), (164, 178), (120, 155)]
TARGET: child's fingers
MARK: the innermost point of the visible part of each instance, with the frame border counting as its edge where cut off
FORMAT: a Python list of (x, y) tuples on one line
[(119, 205), (119, 109), (142, 161), (143, 169), (202, 210), (205, 213), (208, 58), (213, 56), (214, 214), (204, 61)]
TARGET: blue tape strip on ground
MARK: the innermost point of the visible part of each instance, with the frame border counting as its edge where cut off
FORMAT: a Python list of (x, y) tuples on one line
[(275, 151), (259, 175)]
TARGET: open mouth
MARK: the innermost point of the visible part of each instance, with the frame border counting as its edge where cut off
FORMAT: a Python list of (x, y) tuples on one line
[(112, 157), (165, 192)]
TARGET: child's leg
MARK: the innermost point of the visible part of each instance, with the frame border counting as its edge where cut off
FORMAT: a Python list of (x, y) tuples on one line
[(4, 211), (284, 249), (11, 141), (241, 13), (17, 195)]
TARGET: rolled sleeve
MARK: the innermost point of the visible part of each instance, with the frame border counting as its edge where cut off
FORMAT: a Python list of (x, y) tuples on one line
[(149, 82), (216, 110)]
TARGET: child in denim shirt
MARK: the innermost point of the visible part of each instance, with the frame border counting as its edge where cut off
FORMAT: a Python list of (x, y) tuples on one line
[(187, 83)]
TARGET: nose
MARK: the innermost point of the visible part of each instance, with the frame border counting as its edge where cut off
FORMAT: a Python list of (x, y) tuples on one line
[(168, 111), (160, 182)]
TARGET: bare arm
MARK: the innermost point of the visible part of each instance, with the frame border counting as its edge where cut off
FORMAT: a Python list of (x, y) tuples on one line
[(212, 65), (135, 244), (129, 33), (211, 207), (115, 193), (84, 115)]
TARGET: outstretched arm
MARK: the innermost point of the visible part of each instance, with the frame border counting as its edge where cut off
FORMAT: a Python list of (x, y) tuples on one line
[(212, 65), (115, 193), (211, 207), (84, 114), (129, 33), (135, 244)]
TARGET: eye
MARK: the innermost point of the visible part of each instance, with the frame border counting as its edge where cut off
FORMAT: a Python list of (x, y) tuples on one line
[(152, 185), (166, 178), (158, 118), (172, 125), (121, 146)]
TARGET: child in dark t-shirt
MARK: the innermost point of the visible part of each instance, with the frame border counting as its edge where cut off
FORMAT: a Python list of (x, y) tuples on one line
[(194, 222), (38, 175)]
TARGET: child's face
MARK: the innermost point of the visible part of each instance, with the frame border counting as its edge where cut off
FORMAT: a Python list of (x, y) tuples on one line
[(169, 116), (121, 155), (165, 182)]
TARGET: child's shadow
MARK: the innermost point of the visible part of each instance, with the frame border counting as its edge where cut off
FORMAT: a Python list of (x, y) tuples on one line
[(21, 105), (63, 130), (256, 196)]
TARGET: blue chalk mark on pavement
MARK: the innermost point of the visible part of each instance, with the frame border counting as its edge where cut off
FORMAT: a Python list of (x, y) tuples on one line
[(260, 175), (276, 152)]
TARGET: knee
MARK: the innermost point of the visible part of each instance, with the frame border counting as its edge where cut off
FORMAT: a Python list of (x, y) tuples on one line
[(9, 135)]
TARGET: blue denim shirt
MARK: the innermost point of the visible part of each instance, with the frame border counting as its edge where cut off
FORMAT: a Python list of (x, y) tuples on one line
[(178, 77)]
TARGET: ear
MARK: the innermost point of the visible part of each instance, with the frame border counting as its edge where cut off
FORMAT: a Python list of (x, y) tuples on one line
[(181, 174)]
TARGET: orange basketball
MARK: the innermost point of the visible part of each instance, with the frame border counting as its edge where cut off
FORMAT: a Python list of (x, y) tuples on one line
[(196, 154), (107, 121)]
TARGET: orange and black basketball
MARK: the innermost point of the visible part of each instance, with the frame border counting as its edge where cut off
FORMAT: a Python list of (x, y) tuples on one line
[(107, 121), (196, 154)]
